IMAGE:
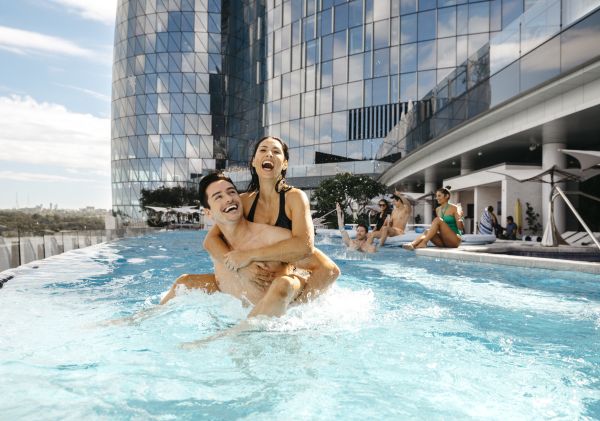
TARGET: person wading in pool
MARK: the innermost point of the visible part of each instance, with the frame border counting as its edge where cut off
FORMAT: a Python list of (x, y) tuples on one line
[(269, 200), (361, 242), (222, 203)]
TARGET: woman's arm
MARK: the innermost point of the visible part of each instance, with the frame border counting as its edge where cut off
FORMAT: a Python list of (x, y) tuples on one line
[(296, 248), (458, 217)]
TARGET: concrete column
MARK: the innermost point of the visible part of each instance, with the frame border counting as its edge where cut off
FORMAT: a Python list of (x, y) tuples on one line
[(430, 186), (466, 164), (551, 156)]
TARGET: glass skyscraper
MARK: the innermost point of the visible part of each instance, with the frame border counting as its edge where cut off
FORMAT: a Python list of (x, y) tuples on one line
[(195, 82)]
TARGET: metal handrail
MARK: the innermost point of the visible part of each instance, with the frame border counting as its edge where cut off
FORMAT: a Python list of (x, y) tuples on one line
[(579, 218)]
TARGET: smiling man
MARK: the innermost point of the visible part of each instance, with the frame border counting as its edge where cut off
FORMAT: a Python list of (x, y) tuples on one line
[(222, 203)]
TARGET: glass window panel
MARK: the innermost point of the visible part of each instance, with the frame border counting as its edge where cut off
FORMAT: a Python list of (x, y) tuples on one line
[(461, 49), (311, 52), (310, 78), (355, 67), (408, 87), (327, 48), (446, 22), (341, 17), (395, 8), (285, 61), (368, 11), (427, 25), (296, 57), (368, 37), (380, 91), (495, 15), (309, 28), (381, 35), (476, 42), (355, 149), (446, 52), (166, 146), (462, 19), (325, 128), (355, 91), (381, 9), (286, 37), (368, 97), (394, 89), (381, 63), (504, 84), (427, 55), (339, 44), (296, 33), (408, 29), (395, 31), (579, 43), (326, 74), (426, 82), (479, 17), (394, 60), (340, 71), (355, 13), (340, 97), (356, 38), (541, 64), (368, 65), (325, 22), (511, 10), (339, 127), (308, 99), (427, 4), (408, 58), (408, 6)]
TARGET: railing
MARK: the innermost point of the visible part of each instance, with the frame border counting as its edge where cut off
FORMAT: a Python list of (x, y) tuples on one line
[(18, 248)]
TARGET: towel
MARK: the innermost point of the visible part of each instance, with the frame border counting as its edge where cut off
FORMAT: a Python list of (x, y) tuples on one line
[(486, 225)]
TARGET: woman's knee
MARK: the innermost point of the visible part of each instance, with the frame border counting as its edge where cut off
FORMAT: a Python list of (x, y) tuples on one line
[(284, 286)]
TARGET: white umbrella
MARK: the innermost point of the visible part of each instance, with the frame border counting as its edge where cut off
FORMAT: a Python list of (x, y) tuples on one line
[(587, 159)]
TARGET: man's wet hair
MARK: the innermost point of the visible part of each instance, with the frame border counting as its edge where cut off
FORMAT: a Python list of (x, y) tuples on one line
[(207, 181), (363, 225)]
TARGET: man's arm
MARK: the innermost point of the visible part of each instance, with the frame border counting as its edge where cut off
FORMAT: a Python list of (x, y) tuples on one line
[(340, 217)]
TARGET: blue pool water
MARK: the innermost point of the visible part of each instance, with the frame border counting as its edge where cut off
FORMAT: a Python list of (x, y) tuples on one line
[(398, 337)]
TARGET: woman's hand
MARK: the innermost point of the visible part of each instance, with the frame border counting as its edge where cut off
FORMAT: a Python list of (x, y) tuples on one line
[(258, 273), (237, 259)]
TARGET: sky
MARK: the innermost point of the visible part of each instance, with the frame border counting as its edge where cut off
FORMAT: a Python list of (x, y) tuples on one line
[(55, 85)]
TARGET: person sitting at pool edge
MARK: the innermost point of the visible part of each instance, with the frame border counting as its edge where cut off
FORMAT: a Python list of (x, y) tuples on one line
[(361, 242), (395, 223), (222, 203), (511, 229), (446, 229)]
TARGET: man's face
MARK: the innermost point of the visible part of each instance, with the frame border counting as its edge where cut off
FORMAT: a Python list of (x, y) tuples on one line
[(361, 233), (224, 201)]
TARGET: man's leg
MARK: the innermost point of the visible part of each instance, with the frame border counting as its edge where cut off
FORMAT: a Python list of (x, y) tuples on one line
[(205, 281), (280, 294)]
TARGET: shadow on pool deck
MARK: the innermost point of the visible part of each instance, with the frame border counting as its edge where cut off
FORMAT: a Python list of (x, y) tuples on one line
[(524, 254)]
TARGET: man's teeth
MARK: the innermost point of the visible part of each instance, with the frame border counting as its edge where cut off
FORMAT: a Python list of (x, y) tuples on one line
[(230, 208)]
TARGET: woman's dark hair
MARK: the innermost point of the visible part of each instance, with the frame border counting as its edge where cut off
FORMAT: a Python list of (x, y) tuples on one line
[(444, 190), (255, 182)]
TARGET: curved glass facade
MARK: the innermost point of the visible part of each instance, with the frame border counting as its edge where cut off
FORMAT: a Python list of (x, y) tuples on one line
[(196, 81)]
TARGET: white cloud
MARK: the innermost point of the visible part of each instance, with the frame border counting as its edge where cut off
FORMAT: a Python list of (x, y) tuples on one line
[(104, 11), (41, 133), (27, 42)]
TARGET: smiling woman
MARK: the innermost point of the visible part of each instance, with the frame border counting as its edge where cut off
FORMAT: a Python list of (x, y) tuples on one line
[(270, 200)]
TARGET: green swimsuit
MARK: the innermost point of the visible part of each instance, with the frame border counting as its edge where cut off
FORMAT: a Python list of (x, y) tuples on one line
[(450, 220)]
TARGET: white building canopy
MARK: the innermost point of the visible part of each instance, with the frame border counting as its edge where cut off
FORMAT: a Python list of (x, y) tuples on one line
[(587, 159)]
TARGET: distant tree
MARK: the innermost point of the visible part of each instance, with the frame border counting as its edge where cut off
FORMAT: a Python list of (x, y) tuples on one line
[(346, 188), (166, 197), (532, 218)]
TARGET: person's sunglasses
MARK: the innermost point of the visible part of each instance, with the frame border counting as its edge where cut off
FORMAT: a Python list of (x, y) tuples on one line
[(382, 204)]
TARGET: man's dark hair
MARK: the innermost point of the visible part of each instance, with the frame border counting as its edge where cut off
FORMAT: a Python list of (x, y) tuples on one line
[(510, 218), (207, 181), (363, 225)]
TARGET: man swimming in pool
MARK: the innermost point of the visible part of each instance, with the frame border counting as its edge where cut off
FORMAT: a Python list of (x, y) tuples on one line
[(362, 242), (222, 203)]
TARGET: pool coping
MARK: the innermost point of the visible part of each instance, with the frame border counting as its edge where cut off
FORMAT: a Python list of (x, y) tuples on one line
[(483, 255)]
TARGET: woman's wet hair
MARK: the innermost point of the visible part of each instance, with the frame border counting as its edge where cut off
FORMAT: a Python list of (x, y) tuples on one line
[(255, 182), (444, 190)]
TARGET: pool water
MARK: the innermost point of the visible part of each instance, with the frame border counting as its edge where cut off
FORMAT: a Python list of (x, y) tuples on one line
[(398, 337)]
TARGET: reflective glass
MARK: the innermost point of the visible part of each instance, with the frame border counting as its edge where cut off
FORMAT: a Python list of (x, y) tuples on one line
[(355, 13), (511, 10), (368, 65), (381, 34), (368, 96), (381, 9), (355, 92), (326, 74), (446, 52), (541, 64), (340, 97), (356, 39), (462, 20), (341, 17), (427, 55), (339, 44), (380, 91), (327, 48), (325, 19), (504, 84), (408, 58), (427, 4), (368, 37), (408, 6), (340, 70), (381, 62), (394, 88), (427, 82), (408, 29), (446, 25), (427, 25), (395, 31), (394, 60), (580, 43), (355, 67), (325, 100), (479, 17)]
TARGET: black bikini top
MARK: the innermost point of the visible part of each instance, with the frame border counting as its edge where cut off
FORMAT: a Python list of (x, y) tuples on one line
[(282, 220)]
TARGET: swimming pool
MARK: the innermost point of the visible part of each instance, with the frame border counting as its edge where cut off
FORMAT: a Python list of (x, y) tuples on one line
[(399, 337)]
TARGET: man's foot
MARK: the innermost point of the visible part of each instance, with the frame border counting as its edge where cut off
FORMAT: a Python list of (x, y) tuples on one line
[(408, 246)]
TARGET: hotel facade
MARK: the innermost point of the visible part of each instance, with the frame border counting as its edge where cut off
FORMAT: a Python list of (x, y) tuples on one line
[(418, 93)]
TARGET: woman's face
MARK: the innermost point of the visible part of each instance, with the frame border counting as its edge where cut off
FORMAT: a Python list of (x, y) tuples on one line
[(269, 159), (382, 206), (441, 197)]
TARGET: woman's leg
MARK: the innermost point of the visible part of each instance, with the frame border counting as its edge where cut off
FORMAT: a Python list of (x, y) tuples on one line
[(323, 273), (449, 237), (280, 294), (384, 235)]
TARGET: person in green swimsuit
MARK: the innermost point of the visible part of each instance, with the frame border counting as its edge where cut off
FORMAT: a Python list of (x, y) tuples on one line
[(446, 229)]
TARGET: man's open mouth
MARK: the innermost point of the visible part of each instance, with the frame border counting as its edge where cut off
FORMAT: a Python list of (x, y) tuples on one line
[(268, 165), (230, 208)]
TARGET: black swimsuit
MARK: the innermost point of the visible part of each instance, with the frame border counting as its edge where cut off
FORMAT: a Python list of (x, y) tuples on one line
[(282, 220)]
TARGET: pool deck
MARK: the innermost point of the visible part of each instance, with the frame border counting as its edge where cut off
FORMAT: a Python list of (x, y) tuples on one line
[(493, 253)]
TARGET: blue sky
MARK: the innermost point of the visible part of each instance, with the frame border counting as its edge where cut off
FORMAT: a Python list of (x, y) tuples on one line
[(55, 82)]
